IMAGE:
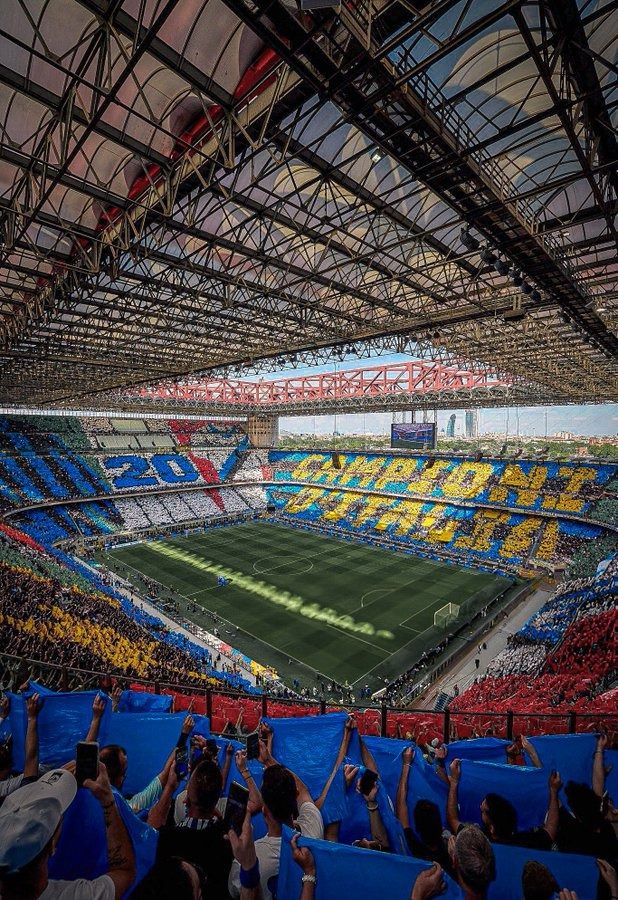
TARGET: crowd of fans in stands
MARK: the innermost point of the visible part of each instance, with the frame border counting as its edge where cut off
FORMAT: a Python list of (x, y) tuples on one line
[(198, 857)]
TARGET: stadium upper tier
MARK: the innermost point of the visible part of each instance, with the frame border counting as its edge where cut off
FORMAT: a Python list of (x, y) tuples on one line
[(500, 512), (541, 486)]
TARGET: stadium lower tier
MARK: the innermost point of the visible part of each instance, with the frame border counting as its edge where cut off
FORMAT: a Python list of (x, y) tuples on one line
[(563, 657), (56, 610), (467, 534)]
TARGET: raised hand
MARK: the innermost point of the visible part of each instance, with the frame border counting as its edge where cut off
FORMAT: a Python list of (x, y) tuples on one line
[(609, 876), (351, 724), (100, 788), (455, 770), (242, 845), (302, 856), (188, 725), (555, 782), (408, 755), (349, 774), (429, 883), (441, 752), (98, 706), (602, 742), (33, 706)]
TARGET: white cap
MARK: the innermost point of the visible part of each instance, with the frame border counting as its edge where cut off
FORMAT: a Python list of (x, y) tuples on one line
[(29, 817)]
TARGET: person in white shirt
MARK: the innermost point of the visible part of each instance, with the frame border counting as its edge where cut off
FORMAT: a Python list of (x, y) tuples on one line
[(285, 800), (30, 826)]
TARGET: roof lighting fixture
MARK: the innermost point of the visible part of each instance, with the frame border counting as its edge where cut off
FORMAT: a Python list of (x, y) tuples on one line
[(501, 267), (488, 257), (535, 296), (376, 155), (469, 242), (517, 279), (526, 288)]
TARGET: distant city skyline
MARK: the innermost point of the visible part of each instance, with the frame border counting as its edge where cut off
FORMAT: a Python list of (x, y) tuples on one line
[(588, 420)]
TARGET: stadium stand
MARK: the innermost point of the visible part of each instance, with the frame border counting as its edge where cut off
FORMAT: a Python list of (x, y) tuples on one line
[(563, 658), (53, 609), (526, 485), (466, 534), (527, 826)]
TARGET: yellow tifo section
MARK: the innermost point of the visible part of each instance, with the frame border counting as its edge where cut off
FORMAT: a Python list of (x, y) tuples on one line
[(436, 526), (465, 481), (105, 642), (290, 602)]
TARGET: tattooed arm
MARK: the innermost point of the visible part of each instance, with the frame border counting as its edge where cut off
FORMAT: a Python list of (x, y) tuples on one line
[(120, 855)]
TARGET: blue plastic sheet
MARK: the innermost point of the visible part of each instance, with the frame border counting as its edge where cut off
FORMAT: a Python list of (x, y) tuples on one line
[(572, 872), (149, 738), (309, 746), (569, 754), (63, 721), (82, 849), (489, 749), (526, 788), (344, 871), (142, 701)]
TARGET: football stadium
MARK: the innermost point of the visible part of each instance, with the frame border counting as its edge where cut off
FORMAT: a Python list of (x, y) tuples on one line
[(300, 593)]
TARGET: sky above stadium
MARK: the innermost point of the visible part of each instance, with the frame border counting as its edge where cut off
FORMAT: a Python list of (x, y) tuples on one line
[(593, 420)]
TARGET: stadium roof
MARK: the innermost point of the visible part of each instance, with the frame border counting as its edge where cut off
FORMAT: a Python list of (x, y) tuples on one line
[(189, 185)]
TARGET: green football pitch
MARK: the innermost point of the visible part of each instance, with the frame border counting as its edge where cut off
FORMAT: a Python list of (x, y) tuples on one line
[(304, 602)]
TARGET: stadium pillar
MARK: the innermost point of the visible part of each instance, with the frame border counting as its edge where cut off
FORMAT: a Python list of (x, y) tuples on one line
[(572, 722), (509, 725), (383, 715), (64, 679), (264, 706), (157, 687), (209, 704), (263, 431), (446, 731)]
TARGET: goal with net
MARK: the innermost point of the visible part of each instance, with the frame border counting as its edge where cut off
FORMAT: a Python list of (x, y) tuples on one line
[(445, 615)]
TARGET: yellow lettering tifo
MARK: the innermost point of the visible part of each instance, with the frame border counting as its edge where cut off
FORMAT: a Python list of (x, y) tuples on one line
[(292, 602)]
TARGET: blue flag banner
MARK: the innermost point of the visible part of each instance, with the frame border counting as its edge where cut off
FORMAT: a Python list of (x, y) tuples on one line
[(423, 782), (309, 746), (35, 687), (524, 787), (571, 871), (489, 749), (149, 738), (344, 871), (569, 754), (82, 849), (63, 721), (142, 701)]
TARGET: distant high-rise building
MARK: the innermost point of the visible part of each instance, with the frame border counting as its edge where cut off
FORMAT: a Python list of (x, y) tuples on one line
[(450, 425), (472, 423)]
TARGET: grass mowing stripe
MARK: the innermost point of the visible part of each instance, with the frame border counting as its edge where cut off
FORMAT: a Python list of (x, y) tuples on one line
[(342, 573)]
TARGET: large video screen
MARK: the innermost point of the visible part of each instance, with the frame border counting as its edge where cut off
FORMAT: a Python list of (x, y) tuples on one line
[(413, 435)]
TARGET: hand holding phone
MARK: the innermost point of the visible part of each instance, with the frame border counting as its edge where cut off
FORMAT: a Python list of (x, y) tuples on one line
[(253, 745), (181, 763), (367, 781), (236, 807), (86, 761)]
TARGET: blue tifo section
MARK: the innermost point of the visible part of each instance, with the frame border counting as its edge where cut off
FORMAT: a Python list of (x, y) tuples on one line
[(552, 620), (309, 746)]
